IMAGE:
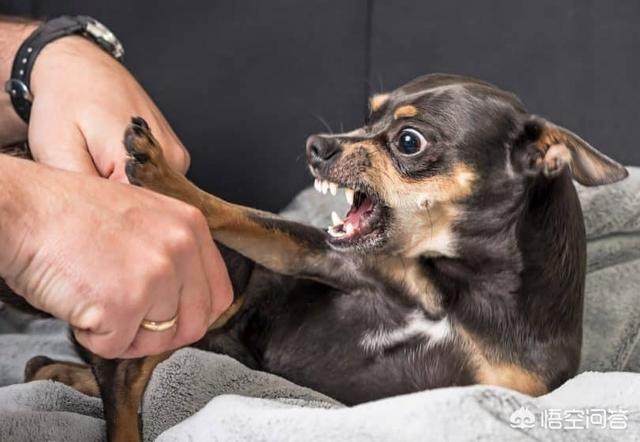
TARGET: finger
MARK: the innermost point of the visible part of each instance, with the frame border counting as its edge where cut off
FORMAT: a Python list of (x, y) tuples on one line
[(175, 153), (148, 342), (192, 309), (108, 345), (195, 303), (111, 158), (105, 140), (105, 337), (105, 143), (59, 144), (216, 274)]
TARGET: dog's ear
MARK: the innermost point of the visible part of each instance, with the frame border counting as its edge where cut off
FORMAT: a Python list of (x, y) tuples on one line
[(544, 148)]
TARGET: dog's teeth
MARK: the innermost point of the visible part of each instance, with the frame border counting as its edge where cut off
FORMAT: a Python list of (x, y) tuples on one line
[(335, 218), (349, 193), (333, 232), (348, 228), (333, 188), (317, 185), (325, 187)]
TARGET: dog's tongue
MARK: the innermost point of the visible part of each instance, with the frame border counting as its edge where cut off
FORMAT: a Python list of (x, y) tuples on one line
[(355, 214)]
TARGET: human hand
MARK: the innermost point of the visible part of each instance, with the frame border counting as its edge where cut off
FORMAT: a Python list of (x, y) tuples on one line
[(103, 256), (92, 97)]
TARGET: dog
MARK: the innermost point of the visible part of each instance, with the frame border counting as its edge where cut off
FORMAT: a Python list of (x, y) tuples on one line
[(460, 261)]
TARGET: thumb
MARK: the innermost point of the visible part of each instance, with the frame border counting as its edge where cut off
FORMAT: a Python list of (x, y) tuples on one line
[(109, 345), (60, 145)]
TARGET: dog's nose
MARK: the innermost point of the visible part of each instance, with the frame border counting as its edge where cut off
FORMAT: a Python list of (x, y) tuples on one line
[(321, 149)]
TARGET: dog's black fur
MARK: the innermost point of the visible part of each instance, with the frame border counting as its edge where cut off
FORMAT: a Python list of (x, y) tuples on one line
[(495, 297)]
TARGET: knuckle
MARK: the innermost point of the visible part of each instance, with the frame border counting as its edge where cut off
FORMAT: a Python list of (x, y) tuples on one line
[(134, 214), (136, 301), (91, 318), (193, 215), (181, 158), (154, 272), (158, 266), (180, 238)]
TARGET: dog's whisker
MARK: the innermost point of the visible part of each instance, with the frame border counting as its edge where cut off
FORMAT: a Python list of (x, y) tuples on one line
[(380, 84), (324, 123)]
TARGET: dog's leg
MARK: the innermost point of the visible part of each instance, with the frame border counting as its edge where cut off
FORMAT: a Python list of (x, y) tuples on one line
[(78, 376), (280, 245), (120, 383)]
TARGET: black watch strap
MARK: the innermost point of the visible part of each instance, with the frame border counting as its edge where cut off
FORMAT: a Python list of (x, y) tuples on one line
[(18, 86)]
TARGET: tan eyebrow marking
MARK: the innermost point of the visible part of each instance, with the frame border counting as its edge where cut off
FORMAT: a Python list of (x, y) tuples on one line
[(405, 112), (377, 101)]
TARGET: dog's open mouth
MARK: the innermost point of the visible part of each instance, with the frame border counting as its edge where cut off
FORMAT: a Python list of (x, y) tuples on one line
[(363, 220)]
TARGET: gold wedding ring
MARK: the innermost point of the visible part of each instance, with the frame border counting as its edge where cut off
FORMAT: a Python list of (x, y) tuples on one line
[(158, 326)]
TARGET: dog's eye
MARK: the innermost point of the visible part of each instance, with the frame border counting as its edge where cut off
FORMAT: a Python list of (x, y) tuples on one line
[(410, 142)]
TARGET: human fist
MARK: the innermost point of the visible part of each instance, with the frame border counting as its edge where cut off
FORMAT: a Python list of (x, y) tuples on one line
[(104, 256)]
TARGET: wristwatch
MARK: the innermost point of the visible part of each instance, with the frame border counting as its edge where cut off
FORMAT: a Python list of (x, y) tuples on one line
[(18, 85)]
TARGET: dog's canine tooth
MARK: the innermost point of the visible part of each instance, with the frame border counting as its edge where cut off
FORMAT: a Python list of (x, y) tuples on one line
[(333, 188), (335, 218), (335, 233), (349, 193), (325, 187), (348, 228), (317, 185)]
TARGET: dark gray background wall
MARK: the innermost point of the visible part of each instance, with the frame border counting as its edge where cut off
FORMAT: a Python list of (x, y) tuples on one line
[(244, 82)]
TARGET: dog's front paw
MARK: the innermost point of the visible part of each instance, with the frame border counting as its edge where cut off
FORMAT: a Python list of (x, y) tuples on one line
[(146, 165)]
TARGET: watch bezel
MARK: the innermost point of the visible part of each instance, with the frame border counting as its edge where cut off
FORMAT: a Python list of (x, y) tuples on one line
[(105, 38)]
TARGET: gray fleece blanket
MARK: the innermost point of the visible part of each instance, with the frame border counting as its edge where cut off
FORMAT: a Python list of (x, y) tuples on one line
[(196, 395)]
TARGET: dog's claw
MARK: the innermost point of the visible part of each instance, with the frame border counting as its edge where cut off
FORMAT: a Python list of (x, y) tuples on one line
[(140, 157), (139, 121)]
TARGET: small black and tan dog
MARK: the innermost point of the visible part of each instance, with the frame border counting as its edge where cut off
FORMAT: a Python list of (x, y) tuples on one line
[(460, 261)]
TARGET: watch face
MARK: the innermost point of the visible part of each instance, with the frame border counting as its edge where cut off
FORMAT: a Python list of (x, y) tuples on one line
[(105, 38)]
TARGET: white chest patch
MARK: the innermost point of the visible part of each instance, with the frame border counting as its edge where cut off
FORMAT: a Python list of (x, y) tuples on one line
[(440, 243), (417, 325)]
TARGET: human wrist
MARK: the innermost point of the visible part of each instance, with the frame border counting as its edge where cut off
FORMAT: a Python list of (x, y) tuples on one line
[(12, 33), (63, 55)]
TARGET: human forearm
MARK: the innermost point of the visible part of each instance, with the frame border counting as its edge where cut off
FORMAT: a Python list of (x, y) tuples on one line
[(99, 97), (14, 216), (13, 32)]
